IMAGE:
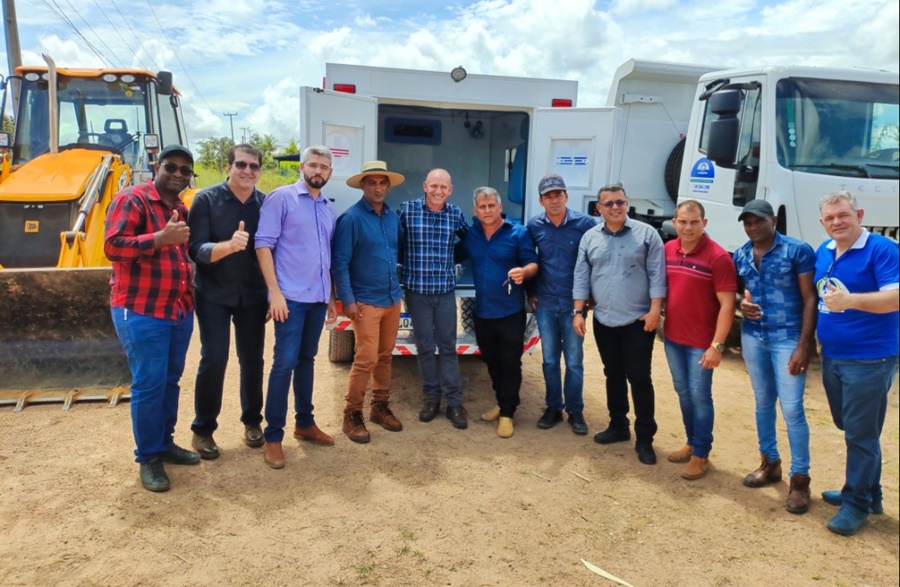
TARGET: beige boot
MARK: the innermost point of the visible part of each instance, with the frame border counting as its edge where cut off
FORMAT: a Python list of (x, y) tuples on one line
[(505, 427), (491, 415), (695, 468), (682, 455)]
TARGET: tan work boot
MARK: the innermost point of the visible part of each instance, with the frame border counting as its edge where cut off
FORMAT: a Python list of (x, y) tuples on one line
[(491, 415), (798, 497), (273, 455), (355, 427), (314, 435), (382, 415), (768, 472), (505, 427), (695, 468), (682, 455)]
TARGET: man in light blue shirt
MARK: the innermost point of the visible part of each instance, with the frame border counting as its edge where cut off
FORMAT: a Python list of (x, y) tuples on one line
[(621, 265), (293, 245), (556, 232), (365, 248)]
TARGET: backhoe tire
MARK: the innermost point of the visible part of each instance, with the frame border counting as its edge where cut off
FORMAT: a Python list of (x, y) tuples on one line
[(467, 314), (341, 346)]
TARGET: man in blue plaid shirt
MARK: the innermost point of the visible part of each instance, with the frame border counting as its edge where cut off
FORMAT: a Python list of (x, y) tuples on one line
[(432, 227)]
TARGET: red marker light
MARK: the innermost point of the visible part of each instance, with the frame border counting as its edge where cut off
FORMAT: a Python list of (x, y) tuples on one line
[(561, 103), (346, 88)]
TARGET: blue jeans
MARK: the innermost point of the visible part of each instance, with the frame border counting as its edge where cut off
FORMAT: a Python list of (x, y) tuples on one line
[(434, 328), (156, 350), (296, 345), (857, 391), (693, 384), (215, 322), (767, 364), (558, 338)]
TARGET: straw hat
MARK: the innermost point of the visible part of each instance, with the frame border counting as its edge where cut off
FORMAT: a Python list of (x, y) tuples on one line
[(375, 168)]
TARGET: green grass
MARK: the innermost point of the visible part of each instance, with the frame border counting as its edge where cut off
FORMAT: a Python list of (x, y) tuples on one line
[(269, 179)]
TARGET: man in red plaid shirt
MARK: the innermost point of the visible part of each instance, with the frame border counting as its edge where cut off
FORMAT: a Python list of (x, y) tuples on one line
[(152, 303)]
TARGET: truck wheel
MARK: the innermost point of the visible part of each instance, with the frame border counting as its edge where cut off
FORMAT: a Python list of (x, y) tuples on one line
[(673, 169), (340, 346)]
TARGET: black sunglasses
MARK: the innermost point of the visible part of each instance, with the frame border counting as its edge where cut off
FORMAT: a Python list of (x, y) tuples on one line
[(243, 165), (184, 169)]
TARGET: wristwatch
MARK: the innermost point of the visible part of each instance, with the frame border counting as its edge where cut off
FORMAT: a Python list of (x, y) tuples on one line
[(576, 312), (719, 346)]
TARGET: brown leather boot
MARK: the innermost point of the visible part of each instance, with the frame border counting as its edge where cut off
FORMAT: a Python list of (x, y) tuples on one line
[(682, 455), (695, 468), (274, 455), (768, 472), (355, 427), (381, 414), (798, 497), (314, 435)]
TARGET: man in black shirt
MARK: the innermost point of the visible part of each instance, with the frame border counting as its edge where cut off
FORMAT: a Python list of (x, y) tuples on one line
[(229, 288)]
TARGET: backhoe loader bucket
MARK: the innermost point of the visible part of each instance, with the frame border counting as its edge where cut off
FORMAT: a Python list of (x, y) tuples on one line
[(57, 341)]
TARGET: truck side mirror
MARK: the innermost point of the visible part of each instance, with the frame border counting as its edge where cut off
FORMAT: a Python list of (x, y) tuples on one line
[(164, 83), (725, 131)]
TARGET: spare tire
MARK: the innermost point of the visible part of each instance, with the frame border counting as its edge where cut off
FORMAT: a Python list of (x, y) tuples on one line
[(673, 169)]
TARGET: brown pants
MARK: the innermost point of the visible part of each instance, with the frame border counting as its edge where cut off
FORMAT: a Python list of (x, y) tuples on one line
[(376, 333)]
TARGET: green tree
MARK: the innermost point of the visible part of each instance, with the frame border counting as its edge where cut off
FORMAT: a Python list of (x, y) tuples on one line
[(292, 148), (214, 152), (9, 125), (268, 146)]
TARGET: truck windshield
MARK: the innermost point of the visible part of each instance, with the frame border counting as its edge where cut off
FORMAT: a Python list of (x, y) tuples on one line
[(838, 127), (108, 113)]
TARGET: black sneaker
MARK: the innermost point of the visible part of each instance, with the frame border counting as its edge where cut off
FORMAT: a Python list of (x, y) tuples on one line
[(429, 411), (579, 426), (551, 418), (180, 456), (457, 416), (611, 435), (153, 475)]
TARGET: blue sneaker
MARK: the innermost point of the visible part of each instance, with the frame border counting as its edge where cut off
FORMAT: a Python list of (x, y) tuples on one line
[(833, 497), (847, 521)]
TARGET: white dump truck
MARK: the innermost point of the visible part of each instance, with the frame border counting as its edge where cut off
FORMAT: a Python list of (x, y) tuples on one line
[(654, 135)]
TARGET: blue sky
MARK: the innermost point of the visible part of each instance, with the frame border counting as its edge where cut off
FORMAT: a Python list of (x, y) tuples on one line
[(251, 56)]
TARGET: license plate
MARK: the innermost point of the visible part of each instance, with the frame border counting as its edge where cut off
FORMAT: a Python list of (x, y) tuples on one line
[(405, 322)]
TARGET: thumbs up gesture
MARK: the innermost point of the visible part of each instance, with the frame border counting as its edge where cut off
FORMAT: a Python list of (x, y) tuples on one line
[(750, 310), (176, 232), (240, 238), (836, 299)]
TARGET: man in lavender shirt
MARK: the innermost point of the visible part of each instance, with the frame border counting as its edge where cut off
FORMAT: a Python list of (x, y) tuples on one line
[(293, 245)]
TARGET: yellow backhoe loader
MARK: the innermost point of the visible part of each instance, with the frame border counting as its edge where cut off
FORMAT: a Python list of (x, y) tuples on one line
[(81, 135)]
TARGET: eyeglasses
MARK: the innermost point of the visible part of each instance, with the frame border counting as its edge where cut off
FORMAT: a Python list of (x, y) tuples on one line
[(244, 165), (616, 204), (184, 169)]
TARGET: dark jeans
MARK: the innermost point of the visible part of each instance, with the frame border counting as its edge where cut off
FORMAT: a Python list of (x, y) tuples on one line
[(626, 352), (500, 341), (434, 327), (296, 345), (215, 338)]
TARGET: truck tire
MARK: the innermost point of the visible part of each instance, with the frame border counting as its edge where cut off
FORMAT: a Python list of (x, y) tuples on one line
[(467, 314), (341, 345), (673, 169)]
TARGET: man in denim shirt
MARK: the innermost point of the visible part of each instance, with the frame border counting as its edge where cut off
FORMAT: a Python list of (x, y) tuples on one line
[(557, 232), (779, 308)]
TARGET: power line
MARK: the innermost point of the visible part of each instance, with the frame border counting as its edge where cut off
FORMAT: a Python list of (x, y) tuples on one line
[(115, 28), (136, 36), (90, 28), (177, 58), (59, 12)]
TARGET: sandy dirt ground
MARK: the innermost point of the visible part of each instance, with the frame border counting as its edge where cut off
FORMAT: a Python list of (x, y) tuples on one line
[(430, 505)]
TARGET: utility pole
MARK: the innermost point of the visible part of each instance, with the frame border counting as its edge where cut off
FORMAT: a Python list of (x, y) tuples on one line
[(246, 130), (13, 51), (231, 116)]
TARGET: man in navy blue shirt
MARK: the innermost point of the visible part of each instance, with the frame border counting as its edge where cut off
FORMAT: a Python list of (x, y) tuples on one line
[(556, 232), (230, 288), (503, 258), (364, 264)]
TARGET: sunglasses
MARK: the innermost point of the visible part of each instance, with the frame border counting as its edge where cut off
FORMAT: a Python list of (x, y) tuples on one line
[(184, 169), (242, 165), (616, 204)]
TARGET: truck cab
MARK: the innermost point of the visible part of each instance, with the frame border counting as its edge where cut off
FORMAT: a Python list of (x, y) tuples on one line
[(790, 135)]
